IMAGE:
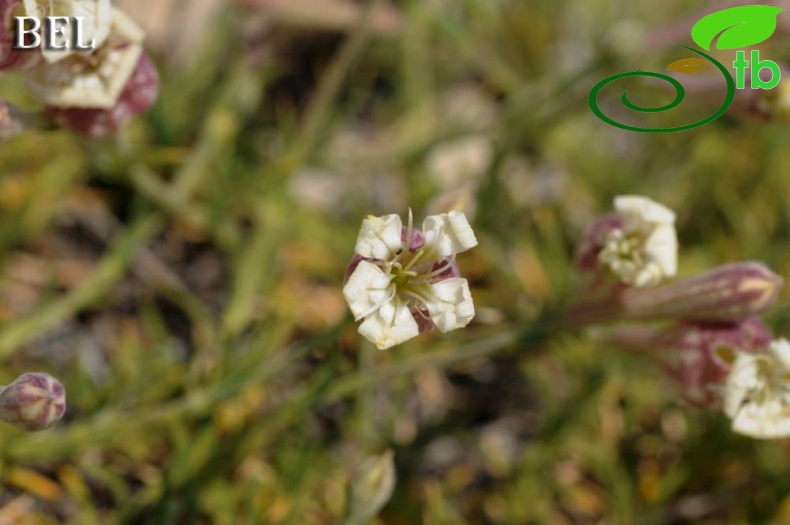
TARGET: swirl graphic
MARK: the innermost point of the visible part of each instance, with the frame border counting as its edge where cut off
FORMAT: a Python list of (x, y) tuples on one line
[(680, 94)]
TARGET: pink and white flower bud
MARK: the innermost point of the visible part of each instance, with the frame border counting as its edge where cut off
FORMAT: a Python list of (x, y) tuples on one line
[(33, 402), (139, 93), (727, 293), (10, 58)]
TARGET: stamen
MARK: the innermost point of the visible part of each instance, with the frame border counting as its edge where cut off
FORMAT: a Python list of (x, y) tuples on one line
[(417, 256), (422, 293), (411, 294), (440, 270), (409, 231), (378, 305)]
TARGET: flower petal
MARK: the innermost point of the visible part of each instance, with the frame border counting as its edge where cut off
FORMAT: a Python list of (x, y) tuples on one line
[(78, 83), (367, 287), (380, 237), (390, 325), (449, 233), (96, 20), (780, 349), (756, 395), (453, 307), (744, 377), (662, 249), (638, 211), (768, 420), (644, 252)]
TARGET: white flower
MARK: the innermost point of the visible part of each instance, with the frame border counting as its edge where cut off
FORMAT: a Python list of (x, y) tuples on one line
[(92, 80), (96, 20), (405, 280), (644, 251), (757, 392)]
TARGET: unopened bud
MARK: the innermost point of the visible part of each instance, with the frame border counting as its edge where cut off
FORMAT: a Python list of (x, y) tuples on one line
[(137, 96), (371, 489), (726, 293), (33, 402)]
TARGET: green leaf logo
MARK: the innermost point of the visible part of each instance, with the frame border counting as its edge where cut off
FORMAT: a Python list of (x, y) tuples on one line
[(739, 26)]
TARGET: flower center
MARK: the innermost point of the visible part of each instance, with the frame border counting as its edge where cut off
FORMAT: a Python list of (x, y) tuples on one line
[(411, 274), (622, 248)]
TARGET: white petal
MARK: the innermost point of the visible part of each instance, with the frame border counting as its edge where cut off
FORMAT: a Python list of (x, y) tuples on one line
[(380, 237), (654, 257), (661, 248), (96, 20), (76, 83), (755, 396), (742, 379), (390, 325), (780, 349), (453, 307), (366, 287), (448, 233), (637, 210), (766, 420)]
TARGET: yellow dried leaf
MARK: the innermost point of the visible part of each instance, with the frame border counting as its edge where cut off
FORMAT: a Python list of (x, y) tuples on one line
[(34, 483), (688, 66)]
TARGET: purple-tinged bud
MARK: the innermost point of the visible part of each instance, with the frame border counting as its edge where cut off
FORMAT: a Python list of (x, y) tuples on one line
[(137, 96), (33, 402), (726, 293), (11, 58)]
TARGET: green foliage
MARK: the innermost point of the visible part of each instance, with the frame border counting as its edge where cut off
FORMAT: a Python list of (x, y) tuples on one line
[(183, 281)]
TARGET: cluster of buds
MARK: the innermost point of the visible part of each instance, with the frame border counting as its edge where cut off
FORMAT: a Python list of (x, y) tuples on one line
[(715, 349), (403, 281), (33, 402), (91, 91)]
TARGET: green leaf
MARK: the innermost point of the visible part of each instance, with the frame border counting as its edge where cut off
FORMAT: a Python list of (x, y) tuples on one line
[(688, 66), (739, 26)]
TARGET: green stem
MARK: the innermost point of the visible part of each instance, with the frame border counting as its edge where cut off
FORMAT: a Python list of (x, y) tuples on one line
[(110, 270)]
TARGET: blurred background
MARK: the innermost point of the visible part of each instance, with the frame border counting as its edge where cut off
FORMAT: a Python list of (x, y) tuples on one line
[(183, 279)]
